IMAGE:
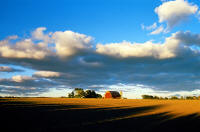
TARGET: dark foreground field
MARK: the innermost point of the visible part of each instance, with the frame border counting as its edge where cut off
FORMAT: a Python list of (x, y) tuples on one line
[(99, 115)]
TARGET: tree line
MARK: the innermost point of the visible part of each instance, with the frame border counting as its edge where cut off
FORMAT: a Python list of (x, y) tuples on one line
[(171, 98), (80, 93)]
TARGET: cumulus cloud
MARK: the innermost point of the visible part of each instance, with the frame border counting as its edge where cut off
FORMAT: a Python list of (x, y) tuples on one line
[(172, 65), (151, 27), (25, 86), (9, 69), (5, 69), (188, 38), (6, 40), (128, 49), (147, 49), (38, 34), (158, 30), (175, 45), (46, 74), (198, 15), (20, 78), (24, 49), (174, 12), (69, 43)]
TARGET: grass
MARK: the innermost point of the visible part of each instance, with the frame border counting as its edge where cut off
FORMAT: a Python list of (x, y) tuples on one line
[(62, 114)]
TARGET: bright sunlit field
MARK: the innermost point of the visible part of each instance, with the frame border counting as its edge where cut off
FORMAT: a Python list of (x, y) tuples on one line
[(177, 107)]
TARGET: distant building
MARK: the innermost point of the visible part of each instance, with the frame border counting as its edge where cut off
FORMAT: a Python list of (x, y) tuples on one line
[(113, 95)]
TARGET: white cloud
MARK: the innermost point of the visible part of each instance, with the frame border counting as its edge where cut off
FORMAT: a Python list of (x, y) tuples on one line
[(175, 45), (20, 78), (38, 34), (198, 15), (5, 69), (24, 49), (158, 30), (128, 49), (46, 74), (174, 12), (6, 40), (82, 69), (12, 37), (27, 48), (151, 27), (69, 43), (163, 0)]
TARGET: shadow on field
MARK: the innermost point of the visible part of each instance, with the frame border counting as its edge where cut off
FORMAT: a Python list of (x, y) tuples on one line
[(29, 117)]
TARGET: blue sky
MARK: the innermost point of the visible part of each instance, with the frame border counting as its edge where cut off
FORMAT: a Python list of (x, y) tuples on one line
[(106, 21), (140, 47)]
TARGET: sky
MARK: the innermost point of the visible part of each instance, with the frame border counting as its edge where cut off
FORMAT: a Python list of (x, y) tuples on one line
[(47, 48)]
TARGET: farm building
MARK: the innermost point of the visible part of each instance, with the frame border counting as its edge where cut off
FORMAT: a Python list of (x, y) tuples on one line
[(113, 94)]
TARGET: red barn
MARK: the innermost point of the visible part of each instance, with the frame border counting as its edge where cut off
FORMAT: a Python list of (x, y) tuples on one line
[(112, 94)]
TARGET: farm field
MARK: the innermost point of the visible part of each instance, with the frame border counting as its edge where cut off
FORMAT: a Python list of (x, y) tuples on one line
[(62, 114)]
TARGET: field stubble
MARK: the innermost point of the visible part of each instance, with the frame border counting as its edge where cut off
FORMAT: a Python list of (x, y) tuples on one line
[(100, 114)]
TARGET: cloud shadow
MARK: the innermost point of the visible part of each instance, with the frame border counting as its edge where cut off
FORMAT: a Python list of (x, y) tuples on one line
[(30, 117)]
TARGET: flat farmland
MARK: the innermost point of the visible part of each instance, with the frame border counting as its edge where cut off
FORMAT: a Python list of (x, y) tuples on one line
[(63, 114)]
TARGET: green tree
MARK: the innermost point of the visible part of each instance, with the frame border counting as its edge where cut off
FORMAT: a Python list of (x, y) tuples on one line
[(161, 98), (155, 97), (166, 98), (71, 95), (189, 97), (80, 93), (90, 94), (194, 97), (147, 97), (98, 96), (174, 97)]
